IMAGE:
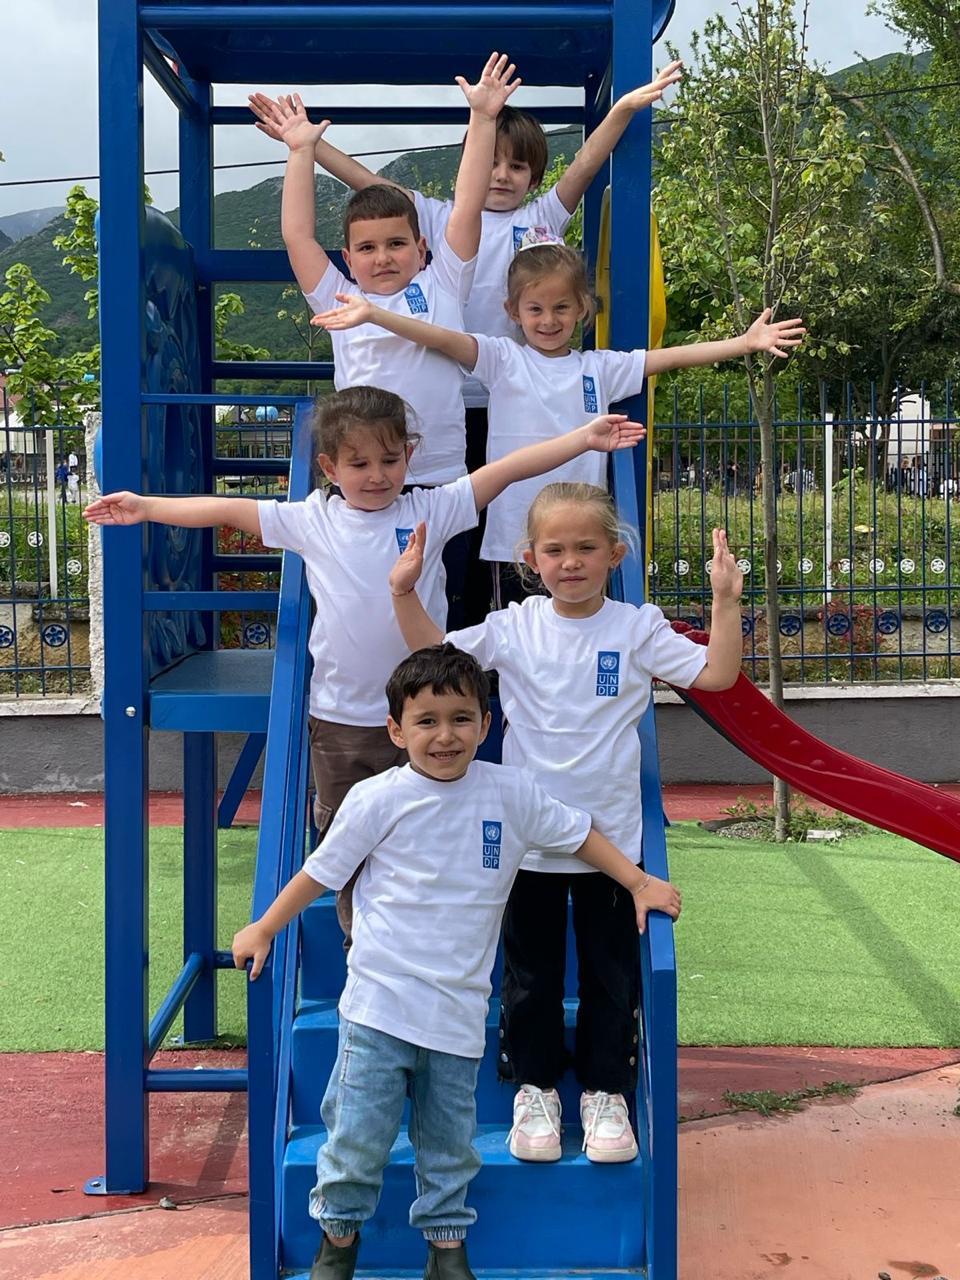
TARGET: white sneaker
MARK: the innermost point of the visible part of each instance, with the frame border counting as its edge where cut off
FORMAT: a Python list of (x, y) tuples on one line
[(607, 1135), (536, 1124)]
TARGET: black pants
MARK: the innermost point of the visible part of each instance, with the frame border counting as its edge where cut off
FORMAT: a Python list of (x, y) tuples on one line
[(532, 1050)]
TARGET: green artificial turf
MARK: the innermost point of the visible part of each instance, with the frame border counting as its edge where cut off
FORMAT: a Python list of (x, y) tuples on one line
[(51, 922), (848, 944)]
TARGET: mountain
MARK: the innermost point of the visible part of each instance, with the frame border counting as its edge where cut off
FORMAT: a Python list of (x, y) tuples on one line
[(242, 219), (4, 240), (16, 226)]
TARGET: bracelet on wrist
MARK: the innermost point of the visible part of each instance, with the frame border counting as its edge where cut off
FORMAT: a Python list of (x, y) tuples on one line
[(401, 593), (646, 880)]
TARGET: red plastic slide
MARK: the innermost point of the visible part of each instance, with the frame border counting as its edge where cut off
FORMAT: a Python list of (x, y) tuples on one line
[(748, 719)]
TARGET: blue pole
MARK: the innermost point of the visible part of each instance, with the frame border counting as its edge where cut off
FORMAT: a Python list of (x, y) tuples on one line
[(333, 16), (124, 695), (200, 881)]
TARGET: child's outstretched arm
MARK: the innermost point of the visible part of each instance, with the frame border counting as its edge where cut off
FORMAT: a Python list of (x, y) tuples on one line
[(254, 941), (298, 203), (355, 310), (776, 338), (486, 98), (595, 152), (206, 512), (649, 893), (344, 168), (606, 434), (725, 650), (417, 627)]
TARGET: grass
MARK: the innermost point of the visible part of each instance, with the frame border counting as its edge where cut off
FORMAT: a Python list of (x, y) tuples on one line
[(51, 917), (847, 944), (768, 1102), (850, 944)]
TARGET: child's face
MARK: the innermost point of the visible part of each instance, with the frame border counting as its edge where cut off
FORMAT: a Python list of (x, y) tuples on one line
[(548, 312), (369, 470), (573, 556), (441, 732), (510, 181), (383, 254)]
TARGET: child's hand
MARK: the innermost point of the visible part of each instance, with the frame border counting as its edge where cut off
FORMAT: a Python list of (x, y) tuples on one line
[(405, 574), (637, 99), (286, 120), (252, 943), (117, 508), (763, 336), (656, 895), (612, 431), (355, 310), (726, 580), (494, 87)]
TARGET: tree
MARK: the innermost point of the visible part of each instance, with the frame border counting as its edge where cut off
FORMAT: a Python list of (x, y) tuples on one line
[(756, 195)]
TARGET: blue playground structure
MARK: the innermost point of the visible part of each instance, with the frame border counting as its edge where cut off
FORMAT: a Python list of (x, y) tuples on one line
[(165, 672)]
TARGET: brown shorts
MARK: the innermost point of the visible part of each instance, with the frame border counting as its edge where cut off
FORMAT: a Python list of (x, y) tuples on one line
[(341, 755)]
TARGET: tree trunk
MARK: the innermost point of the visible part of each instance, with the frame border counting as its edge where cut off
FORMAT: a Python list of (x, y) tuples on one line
[(764, 406)]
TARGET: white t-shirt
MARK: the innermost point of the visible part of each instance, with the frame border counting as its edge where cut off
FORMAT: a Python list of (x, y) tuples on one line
[(534, 398), (355, 641), (431, 383), (573, 691), (440, 860), (499, 240)]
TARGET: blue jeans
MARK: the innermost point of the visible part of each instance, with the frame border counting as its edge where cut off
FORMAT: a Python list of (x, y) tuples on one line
[(362, 1110)]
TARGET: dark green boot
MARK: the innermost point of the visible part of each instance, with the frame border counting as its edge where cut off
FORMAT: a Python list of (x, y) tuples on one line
[(332, 1263), (447, 1264)]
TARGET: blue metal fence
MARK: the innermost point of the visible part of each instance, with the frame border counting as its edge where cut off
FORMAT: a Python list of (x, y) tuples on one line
[(868, 511)]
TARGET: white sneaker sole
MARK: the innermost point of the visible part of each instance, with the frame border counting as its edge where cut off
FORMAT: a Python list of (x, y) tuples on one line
[(611, 1157), (540, 1155)]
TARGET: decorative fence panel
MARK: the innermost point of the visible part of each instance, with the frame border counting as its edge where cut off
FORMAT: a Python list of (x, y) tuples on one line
[(868, 514)]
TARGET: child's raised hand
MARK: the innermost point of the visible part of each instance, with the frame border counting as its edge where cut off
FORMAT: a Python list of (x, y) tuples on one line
[(117, 508), (353, 310), (656, 895), (251, 943), (405, 574), (764, 336), (726, 580), (286, 120), (637, 99), (495, 86), (612, 431)]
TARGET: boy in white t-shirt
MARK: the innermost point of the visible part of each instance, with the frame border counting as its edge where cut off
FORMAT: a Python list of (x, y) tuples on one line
[(442, 836)]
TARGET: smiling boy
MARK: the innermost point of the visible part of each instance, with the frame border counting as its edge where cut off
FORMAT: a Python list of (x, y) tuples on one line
[(442, 836)]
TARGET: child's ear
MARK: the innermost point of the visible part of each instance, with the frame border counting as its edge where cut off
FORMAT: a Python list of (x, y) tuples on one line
[(511, 311), (327, 466), (530, 560), (422, 251), (484, 728), (346, 257), (408, 449), (617, 552), (395, 732)]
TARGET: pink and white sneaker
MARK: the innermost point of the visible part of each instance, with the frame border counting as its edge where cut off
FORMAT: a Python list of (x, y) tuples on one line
[(536, 1124), (607, 1135)]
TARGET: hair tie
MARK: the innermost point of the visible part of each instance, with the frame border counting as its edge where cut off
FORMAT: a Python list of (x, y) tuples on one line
[(534, 237)]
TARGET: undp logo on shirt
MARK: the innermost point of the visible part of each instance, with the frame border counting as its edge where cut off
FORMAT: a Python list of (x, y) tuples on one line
[(403, 537), (492, 835), (608, 673), (415, 300)]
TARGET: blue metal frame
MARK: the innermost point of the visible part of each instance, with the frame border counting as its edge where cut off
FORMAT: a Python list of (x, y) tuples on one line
[(602, 52)]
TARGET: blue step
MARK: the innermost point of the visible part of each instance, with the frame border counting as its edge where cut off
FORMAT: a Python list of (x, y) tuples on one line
[(485, 1273), (530, 1215), (315, 1050)]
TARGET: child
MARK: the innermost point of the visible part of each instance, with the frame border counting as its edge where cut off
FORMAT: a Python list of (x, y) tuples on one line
[(386, 254), (536, 388), (440, 840), (575, 670), (349, 543), (520, 159)]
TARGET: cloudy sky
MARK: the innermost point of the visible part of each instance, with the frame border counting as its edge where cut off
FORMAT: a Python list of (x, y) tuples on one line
[(48, 106)]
